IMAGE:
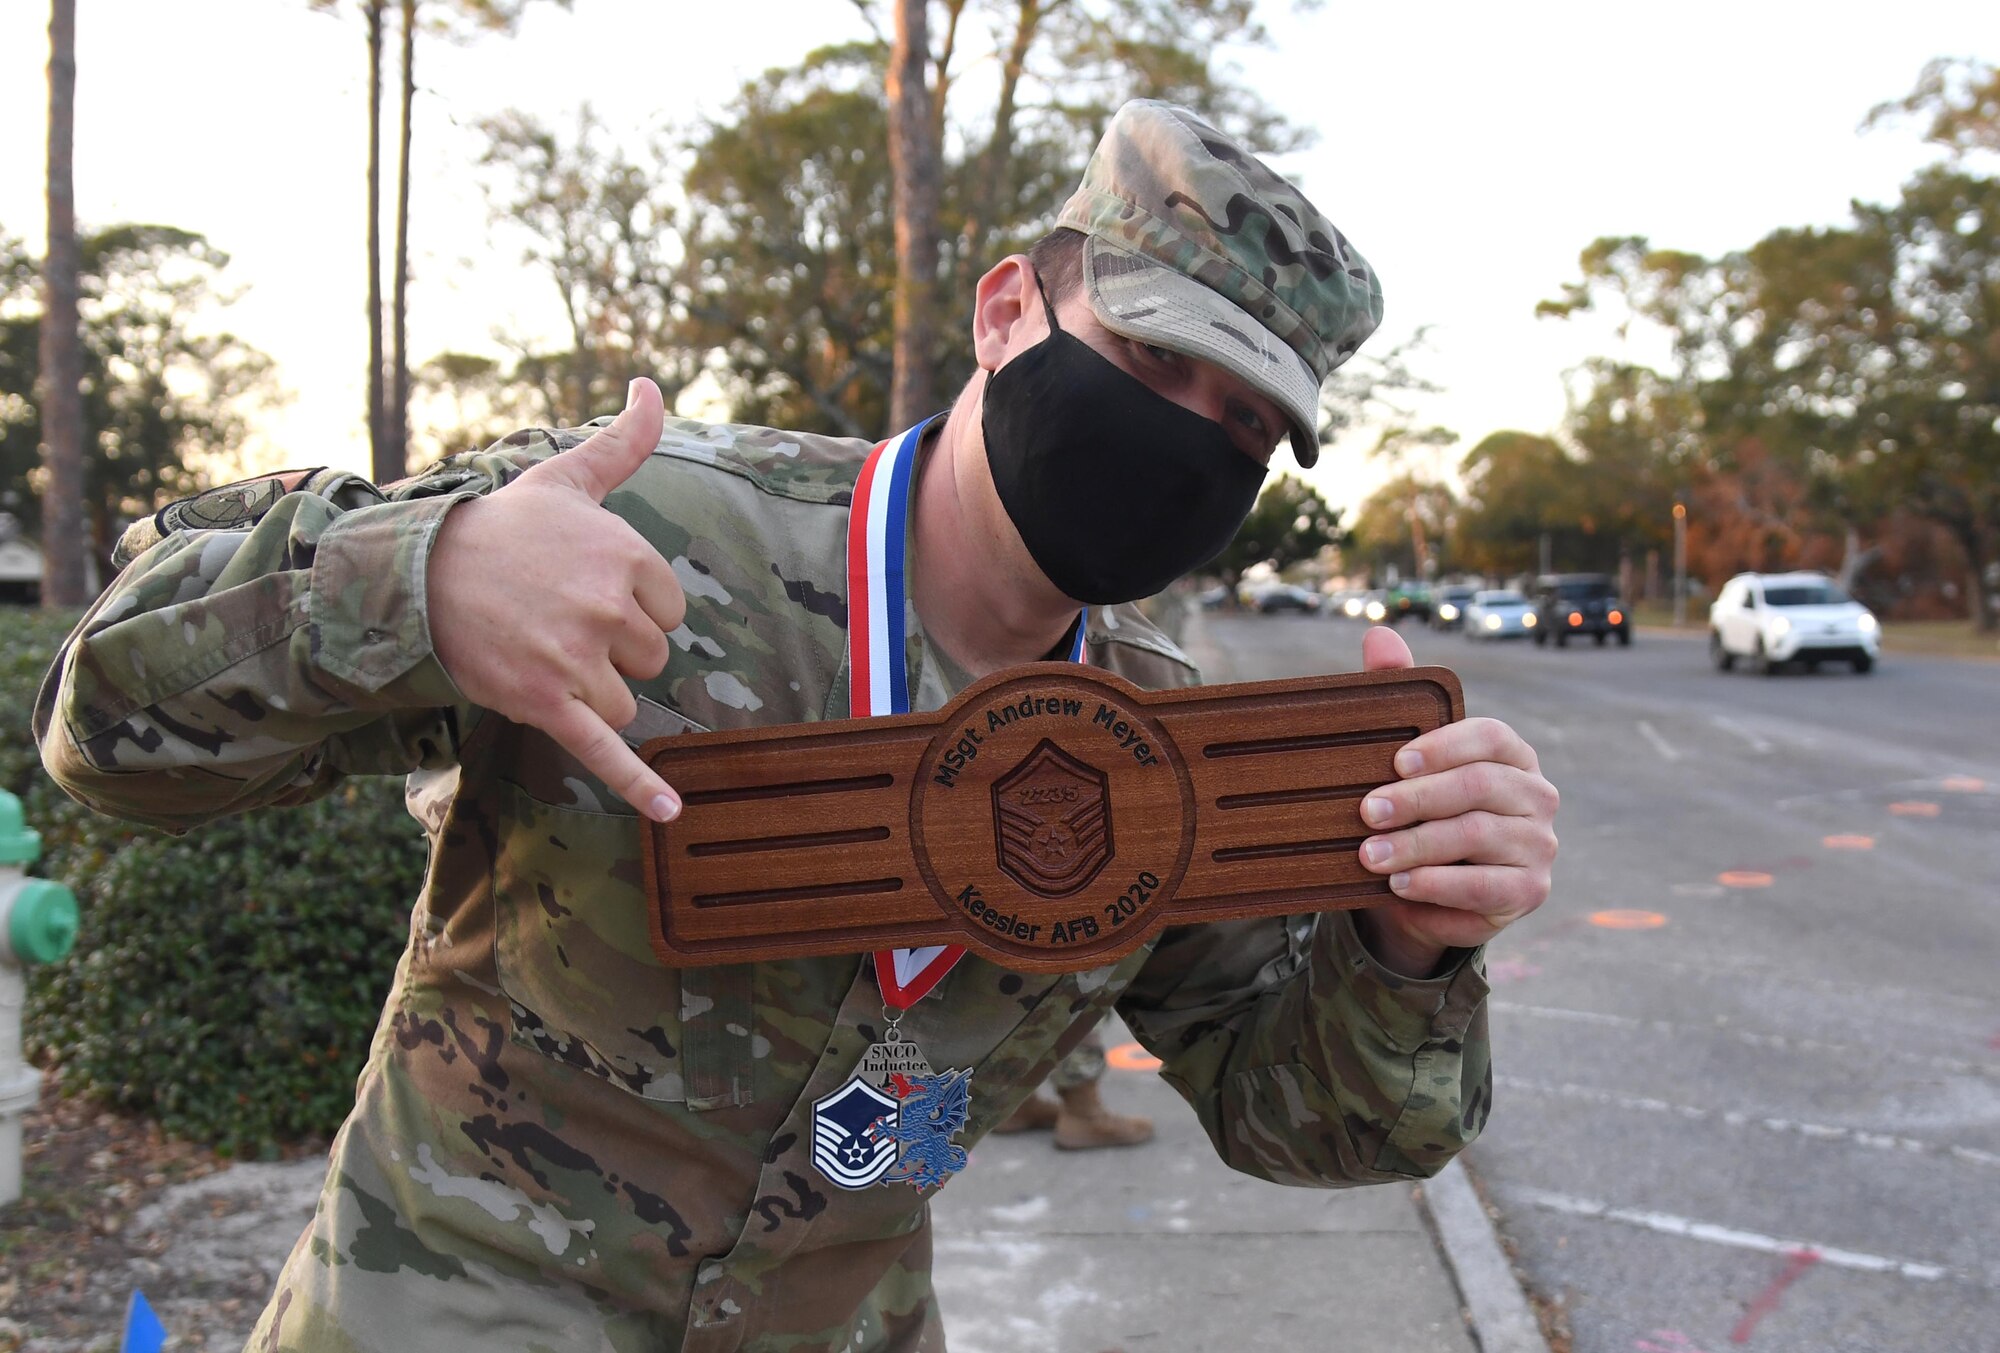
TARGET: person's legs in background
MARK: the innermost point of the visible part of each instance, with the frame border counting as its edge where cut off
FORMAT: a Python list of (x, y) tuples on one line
[(1077, 1114)]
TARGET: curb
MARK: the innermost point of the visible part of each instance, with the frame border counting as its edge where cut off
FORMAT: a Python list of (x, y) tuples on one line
[(1496, 1308)]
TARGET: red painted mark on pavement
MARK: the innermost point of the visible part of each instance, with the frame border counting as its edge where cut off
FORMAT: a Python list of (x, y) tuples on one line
[(1963, 784), (1744, 878), (1994, 1042), (1511, 970), (1914, 808), (1767, 1300), (1848, 842)]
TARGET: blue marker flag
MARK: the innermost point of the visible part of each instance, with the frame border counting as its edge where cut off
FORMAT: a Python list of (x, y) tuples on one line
[(143, 1331)]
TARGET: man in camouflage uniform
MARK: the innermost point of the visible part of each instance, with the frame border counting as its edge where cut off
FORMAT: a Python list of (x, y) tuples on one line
[(560, 1144)]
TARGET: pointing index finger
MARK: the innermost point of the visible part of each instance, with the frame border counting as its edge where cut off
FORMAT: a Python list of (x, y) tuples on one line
[(593, 742)]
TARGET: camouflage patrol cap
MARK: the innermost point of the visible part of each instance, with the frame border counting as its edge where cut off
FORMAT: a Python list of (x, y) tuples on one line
[(1196, 245)]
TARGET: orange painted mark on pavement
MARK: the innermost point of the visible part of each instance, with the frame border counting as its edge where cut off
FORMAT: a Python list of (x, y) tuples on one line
[(1132, 1057), (1914, 808), (1743, 878), (1622, 919), (1963, 784), (1848, 842)]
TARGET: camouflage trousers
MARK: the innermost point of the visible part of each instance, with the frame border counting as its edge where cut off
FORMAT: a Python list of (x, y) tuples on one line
[(1084, 1066)]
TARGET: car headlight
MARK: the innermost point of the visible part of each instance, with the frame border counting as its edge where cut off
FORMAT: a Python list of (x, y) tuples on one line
[(1448, 612), (1528, 620), (1868, 624), (1493, 622), (1352, 606), (1376, 610), (1780, 627)]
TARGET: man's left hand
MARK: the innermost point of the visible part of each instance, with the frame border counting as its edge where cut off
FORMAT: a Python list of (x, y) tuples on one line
[(1467, 836)]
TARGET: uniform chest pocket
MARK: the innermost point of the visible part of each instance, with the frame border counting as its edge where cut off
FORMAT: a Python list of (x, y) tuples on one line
[(574, 959)]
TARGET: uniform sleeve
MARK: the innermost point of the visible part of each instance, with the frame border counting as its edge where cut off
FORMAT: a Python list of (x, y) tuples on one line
[(259, 662), (1307, 1061)]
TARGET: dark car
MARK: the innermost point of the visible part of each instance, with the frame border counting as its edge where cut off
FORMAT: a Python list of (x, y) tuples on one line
[(1283, 597), (1570, 605), (1448, 606)]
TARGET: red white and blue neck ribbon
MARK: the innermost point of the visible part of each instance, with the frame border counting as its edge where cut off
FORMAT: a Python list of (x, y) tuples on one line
[(878, 677)]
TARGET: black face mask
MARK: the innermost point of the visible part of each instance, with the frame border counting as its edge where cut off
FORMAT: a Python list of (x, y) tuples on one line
[(1115, 489)]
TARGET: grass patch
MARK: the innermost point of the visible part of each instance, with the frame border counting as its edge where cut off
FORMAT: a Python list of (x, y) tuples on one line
[(1940, 638)]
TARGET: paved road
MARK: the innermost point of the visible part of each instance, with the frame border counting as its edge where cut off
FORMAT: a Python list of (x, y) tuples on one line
[(1761, 1107)]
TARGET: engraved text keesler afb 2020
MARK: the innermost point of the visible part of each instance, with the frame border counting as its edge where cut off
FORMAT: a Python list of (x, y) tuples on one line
[(1050, 818)]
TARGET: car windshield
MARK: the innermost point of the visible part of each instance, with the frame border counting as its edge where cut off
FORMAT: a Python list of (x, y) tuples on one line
[(1500, 599), (1805, 594), (1590, 591)]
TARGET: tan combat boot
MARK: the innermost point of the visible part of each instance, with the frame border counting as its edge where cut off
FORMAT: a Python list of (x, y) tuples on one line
[(1035, 1114), (1085, 1124)]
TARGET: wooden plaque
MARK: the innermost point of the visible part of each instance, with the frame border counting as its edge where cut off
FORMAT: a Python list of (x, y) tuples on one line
[(1051, 818)]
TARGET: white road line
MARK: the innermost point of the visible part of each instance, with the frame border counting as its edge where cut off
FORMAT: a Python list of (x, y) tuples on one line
[(1669, 1224), (1955, 1065), (1737, 730), (1737, 1118), (1660, 744)]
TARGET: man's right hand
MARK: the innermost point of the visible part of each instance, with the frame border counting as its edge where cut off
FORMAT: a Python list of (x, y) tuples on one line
[(541, 599)]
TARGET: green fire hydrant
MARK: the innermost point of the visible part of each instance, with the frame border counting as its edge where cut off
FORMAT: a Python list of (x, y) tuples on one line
[(37, 925)]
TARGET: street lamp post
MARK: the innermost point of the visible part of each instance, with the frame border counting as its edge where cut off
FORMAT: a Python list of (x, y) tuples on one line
[(1680, 564)]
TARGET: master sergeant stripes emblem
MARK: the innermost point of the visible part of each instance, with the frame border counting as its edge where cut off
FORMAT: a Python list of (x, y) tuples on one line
[(843, 1148), (1052, 822)]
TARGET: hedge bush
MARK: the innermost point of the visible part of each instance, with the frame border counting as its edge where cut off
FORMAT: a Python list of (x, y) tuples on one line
[(225, 982)]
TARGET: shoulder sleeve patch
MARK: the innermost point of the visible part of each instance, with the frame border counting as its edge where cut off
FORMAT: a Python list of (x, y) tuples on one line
[(227, 507)]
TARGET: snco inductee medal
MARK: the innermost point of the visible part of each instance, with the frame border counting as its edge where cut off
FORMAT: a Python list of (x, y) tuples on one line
[(893, 1119)]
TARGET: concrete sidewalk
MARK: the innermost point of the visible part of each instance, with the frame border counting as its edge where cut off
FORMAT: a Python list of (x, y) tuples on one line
[(1162, 1247)]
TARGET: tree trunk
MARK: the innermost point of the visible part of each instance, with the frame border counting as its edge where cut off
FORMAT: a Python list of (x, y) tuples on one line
[(941, 71), (381, 462), (1979, 555), (992, 183), (913, 159), (399, 358), (63, 580)]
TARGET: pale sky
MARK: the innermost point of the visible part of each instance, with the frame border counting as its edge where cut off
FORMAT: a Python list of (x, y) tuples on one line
[(1469, 150)]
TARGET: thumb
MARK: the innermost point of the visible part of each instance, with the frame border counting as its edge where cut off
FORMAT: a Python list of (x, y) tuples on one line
[(1383, 649), (613, 453)]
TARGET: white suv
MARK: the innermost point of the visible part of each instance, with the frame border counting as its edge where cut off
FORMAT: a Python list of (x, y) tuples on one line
[(1774, 618)]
